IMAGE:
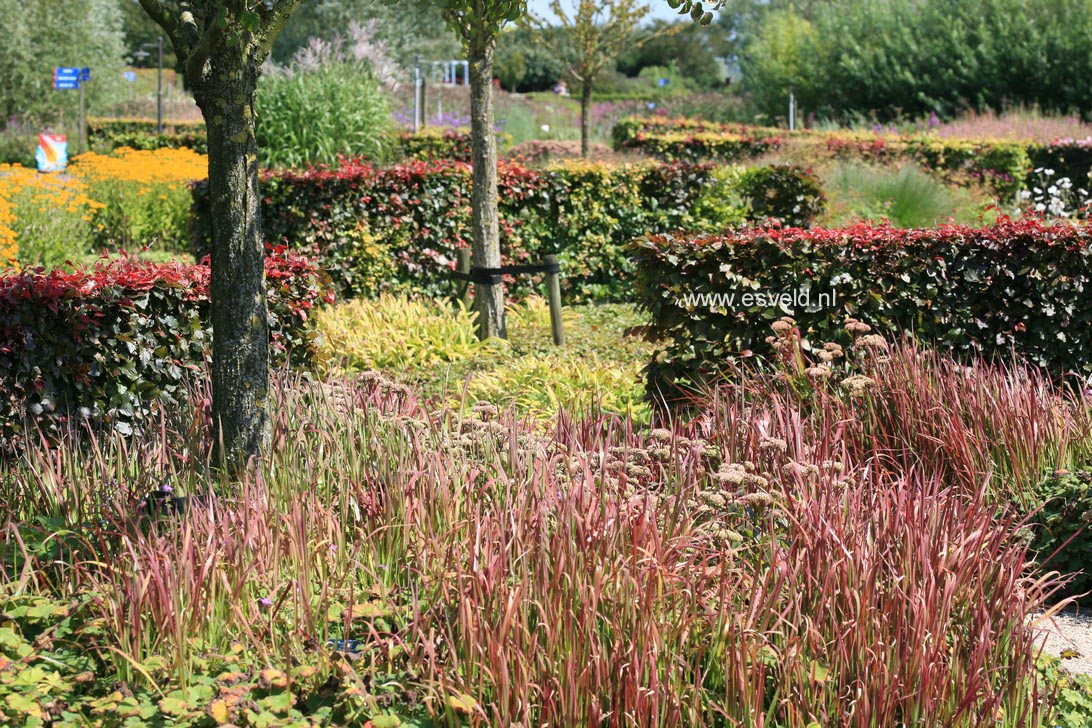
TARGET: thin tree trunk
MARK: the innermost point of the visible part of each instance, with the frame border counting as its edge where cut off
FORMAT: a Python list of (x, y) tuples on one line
[(585, 120), (488, 298), (240, 341)]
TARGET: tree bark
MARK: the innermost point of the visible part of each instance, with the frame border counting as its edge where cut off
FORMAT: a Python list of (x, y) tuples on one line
[(485, 241), (240, 338), (585, 121)]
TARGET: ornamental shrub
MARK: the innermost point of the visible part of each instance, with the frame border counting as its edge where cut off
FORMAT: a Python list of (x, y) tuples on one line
[(435, 143), (703, 146), (113, 343), (1003, 165), (1016, 286), (1070, 158), (1062, 529), (786, 193), (417, 217), (313, 116)]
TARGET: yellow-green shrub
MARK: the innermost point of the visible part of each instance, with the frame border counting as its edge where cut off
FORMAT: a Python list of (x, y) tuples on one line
[(434, 346)]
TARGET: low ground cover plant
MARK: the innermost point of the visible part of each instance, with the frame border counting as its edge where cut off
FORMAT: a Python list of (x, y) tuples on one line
[(433, 347)]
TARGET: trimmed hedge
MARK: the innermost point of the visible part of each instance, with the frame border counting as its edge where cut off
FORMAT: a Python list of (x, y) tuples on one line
[(112, 343), (432, 142), (106, 135), (1023, 286), (791, 195), (376, 228), (694, 141), (1006, 166)]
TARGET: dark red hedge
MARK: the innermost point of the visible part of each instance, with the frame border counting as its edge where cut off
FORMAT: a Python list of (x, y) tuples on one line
[(1018, 286), (111, 343)]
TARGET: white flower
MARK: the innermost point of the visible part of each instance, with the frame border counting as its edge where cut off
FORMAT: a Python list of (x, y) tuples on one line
[(546, 128), (1025, 194)]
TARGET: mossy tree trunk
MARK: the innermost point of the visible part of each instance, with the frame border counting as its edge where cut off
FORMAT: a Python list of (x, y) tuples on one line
[(240, 343), (488, 298), (222, 44)]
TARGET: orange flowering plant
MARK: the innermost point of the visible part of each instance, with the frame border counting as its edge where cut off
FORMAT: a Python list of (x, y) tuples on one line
[(145, 195), (127, 200), (44, 219)]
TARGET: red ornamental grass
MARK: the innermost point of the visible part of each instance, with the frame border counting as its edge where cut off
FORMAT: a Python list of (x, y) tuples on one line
[(836, 586)]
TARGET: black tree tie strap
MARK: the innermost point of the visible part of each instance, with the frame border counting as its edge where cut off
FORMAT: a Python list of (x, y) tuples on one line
[(493, 276)]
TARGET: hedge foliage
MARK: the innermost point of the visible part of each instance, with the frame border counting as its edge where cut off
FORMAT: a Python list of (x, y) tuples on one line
[(694, 140), (377, 228), (432, 142), (1016, 286), (112, 343), (1002, 164), (106, 135)]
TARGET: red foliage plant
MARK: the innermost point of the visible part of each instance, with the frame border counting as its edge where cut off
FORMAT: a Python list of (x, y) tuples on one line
[(109, 343)]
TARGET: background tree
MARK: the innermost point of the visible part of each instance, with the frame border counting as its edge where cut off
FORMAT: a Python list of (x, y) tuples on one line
[(524, 63), (222, 45), (783, 57), (692, 49), (886, 59), (592, 37), (140, 31), (478, 23), (38, 36)]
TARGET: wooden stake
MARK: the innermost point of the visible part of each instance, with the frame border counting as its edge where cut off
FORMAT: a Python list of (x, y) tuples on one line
[(553, 293)]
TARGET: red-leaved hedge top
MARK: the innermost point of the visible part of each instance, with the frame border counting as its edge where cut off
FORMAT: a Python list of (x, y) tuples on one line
[(1022, 287), (110, 343)]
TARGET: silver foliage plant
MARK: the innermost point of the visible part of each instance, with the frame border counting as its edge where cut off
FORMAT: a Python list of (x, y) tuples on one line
[(360, 45)]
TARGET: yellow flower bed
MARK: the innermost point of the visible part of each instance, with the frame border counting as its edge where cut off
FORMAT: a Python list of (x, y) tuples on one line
[(125, 200), (9, 248), (163, 166), (43, 212)]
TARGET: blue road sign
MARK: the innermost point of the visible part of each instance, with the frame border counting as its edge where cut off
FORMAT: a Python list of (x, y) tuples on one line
[(66, 83), (129, 76), (85, 74), (65, 72)]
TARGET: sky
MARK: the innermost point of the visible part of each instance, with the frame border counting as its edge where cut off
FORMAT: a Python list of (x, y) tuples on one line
[(660, 9)]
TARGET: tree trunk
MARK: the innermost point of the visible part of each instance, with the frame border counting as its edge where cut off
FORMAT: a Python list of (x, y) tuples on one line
[(488, 298), (240, 339), (585, 120)]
